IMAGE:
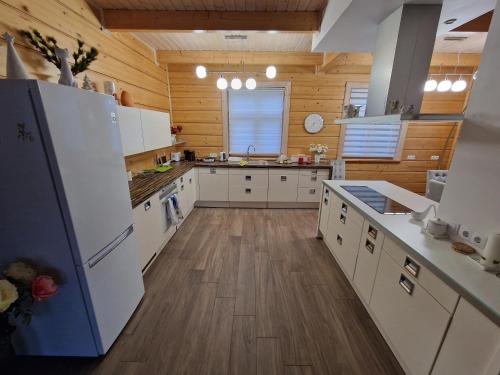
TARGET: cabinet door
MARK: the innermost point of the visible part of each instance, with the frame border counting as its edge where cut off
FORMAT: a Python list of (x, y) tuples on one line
[(346, 246), (413, 321), (471, 344), (213, 184), (370, 248), (283, 186), (129, 122), (155, 129), (148, 228), (325, 210), (309, 194)]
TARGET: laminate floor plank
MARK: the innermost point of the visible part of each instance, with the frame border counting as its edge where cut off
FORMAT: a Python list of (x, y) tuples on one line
[(241, 291)]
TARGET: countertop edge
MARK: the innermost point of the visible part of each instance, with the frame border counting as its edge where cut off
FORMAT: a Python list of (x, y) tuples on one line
[(489, 311)]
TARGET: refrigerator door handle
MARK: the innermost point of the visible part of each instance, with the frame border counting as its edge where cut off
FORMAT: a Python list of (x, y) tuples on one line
[(110, 247)]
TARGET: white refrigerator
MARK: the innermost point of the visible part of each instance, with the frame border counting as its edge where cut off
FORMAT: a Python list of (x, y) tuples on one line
[(65, 205)]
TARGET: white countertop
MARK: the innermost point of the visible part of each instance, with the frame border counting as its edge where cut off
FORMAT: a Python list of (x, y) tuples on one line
[(460, 272)]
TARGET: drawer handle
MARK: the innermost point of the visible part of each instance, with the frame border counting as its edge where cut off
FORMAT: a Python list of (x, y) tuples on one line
[(283, 178), (312, 191), (342, 218), (314, 171), (327, 192), (344, 207), (406, 284), (339, 239), (325, 201), (248, 178), (182, 187), (190, 180), (372, 232), (182, 179), (248, 191), (147, 205), (369, 246), (213, 171), (412, 267), (314, 178)]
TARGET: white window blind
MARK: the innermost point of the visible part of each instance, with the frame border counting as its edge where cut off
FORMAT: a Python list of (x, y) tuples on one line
[(256, 118), (368, 140)]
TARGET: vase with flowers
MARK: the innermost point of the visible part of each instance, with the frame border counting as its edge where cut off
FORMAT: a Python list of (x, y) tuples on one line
[(19, 290), (174, 130), (319, 150)]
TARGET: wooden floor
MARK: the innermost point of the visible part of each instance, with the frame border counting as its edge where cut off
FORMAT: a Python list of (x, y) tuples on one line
[(242, 291)]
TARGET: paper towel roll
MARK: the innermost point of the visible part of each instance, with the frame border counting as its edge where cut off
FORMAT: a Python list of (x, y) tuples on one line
[(490, 260)]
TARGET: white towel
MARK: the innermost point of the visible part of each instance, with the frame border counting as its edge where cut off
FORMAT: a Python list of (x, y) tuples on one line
[(177, 206), (172, 212)]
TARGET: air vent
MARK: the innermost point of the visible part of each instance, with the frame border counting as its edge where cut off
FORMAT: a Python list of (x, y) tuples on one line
[(236, 37), (455, 38)]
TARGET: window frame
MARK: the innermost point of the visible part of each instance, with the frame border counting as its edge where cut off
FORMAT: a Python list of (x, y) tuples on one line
[(402, 133), (286, 85)]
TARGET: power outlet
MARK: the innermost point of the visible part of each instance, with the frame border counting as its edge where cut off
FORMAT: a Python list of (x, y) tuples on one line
[(435, 157), (479, 240), (465, 233), (411, 157), (475, 239)]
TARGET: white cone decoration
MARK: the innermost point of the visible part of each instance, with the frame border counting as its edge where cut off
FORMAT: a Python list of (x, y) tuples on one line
[(66, 77), (15, 67)]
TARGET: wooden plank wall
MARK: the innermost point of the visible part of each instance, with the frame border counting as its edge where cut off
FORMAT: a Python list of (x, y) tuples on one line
[(197, 106)]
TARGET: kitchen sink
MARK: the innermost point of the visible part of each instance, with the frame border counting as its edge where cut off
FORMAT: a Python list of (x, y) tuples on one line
[(257, 162)]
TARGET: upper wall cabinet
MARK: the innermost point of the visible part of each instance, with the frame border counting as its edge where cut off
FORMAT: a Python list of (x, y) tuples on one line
[(155, 129), (129, 120)]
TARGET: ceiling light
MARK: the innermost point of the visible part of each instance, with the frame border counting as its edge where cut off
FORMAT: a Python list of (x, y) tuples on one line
[(271, 72), (474, 76), (430, 85), (222, 83), (450, 21), (251, 83), (201, 71), (444, 85), (236, 83), (459, 85), (199, 31)]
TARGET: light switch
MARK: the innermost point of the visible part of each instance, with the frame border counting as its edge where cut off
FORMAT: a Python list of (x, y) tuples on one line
[(411, 157), (435, 157)]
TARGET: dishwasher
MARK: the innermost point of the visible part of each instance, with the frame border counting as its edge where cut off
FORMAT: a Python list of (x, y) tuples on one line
[(171, 212)]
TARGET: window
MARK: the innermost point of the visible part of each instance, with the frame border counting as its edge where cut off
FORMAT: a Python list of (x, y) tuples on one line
[(365, 140), (257, 117)]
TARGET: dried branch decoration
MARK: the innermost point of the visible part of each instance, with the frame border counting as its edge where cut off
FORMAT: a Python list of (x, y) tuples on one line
[(47, 48)]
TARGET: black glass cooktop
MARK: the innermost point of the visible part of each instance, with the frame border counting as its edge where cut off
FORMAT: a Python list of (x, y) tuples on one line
[(376, 200)]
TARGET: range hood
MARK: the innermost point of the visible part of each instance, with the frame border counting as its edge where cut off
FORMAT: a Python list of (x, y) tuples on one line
[(403, 53)]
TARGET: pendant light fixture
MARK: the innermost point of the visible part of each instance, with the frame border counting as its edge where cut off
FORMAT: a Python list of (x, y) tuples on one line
[(271, 72), (222, 83), (444, 85), (251, 83), (236, 83), (459, 86), (430, 85), (201, 72)]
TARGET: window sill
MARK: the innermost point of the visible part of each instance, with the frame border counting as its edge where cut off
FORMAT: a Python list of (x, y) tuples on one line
[(371, 160)]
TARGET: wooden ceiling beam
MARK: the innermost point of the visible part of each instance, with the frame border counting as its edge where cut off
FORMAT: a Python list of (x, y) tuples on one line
[(247, 58), (162, 20)]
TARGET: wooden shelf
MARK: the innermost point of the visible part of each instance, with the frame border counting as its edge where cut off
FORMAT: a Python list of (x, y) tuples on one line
[(178, 143)]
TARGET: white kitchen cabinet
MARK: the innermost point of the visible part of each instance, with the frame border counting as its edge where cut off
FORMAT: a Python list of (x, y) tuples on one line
[(148, 228), (471, 345), (283, 185), (129, 122), (327, 201), (155, 129), (248, 185), (370, 248), (309, 189), (186, 192), (213, 184), (412, 320)]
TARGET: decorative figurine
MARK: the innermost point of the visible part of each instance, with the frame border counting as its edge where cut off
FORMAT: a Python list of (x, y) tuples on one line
[(15, 67), (87, 83), (66, 77)]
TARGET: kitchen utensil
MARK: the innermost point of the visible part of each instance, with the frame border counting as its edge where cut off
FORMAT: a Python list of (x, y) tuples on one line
[(437, 228), (213, 155), (189, 155), (175, 156), (421, 215), (490, 259), (222, 156)]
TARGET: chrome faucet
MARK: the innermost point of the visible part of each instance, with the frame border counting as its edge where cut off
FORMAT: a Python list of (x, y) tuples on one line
[(248, 151)]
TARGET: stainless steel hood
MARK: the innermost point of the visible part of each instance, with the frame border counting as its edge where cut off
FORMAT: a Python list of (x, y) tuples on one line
[(403, 53)]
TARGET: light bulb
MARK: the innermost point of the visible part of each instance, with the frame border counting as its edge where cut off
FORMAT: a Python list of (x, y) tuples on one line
[(271, 72), (444, 86), (251, 83), (459, 85), (201, 71), (430, 85), (236, 83), (221, 83)]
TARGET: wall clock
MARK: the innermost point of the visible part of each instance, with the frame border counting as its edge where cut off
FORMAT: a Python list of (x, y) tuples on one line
[(313, 123)]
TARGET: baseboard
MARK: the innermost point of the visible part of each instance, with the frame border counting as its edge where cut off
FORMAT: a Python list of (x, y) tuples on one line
[(218, 204), (248, 204), (292, 204)]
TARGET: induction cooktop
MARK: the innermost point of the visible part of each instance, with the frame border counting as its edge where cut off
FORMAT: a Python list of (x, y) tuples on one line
[(376, 200)]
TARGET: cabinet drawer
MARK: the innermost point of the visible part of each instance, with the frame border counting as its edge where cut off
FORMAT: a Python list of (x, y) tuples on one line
[(247, 194), (213, 187), (346, 214), (437, 288), (323, 173), (204, 170), (249, 180), (283, 171), (283, 187), (310, 181), (410, 317), (309, 194), (370, 248), (248, 171), (325, 210)]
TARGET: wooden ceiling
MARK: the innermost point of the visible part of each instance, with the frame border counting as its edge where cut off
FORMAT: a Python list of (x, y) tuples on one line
[(215, 5)]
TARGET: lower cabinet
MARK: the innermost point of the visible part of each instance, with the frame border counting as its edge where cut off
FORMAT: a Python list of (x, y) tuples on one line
[(283, 185), (327, 200), (148, 228), (310, 184), (248, 185), (186, 186), (412, 320), (213, 184)]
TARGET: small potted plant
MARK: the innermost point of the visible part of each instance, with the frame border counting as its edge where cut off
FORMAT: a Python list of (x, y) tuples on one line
[(174, 130), (319, 150), (21, 287)]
